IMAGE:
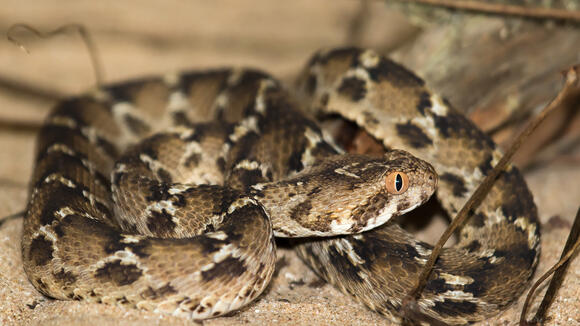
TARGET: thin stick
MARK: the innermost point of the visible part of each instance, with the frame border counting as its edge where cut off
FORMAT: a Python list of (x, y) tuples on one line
[(572, 244), (84, 33), (485, 186), (14, 216), (503, 9)]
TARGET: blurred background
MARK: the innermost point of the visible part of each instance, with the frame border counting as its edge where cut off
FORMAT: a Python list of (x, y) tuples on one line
[(500, 70)]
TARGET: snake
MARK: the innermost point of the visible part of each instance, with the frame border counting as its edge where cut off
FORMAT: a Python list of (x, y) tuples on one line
[(167, 193)]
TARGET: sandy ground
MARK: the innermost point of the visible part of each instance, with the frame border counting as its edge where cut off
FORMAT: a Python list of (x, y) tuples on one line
[(147, 37)]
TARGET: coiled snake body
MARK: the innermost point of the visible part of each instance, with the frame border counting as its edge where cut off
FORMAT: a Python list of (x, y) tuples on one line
[(165, 193)]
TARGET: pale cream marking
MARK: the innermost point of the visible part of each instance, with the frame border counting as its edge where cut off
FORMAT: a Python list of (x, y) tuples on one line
[(178, 188), (143, 305), (244, 127), (93, 199), (457, 294), (386, 214), (224, 252), (207, 267), (496, 260), (369, 59), (258, 186), (64, 212), (340, 227), (218, 235), (171, 79), (222, 305), (178, 102), (346, 247), (234, 76), (427, 125), (161, 205), (221, 101), (61, 148), (247, 165), (57, 177), (241, 202), (89, 132), (125, 256), (260, 105), (128, 238), (327, 138), (190, 149), (48, 233), (359, 73), (438, 107), (456, 279), (425, 252), (62, 121), (120, 168), (124, 109), (314, 139), (345, 172), (524, 224), (154, 165)]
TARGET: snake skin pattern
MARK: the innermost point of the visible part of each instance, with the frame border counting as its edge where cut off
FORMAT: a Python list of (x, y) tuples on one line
[(165, 194)]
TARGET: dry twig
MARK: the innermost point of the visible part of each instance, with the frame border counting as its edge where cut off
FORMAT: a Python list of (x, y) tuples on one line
[(570, 87), (84, 33), (559, 270)]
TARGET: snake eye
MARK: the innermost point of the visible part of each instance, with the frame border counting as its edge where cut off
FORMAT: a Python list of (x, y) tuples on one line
[(397, 182)]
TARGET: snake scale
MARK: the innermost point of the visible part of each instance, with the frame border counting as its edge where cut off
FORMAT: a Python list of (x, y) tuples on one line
[(165, 194)]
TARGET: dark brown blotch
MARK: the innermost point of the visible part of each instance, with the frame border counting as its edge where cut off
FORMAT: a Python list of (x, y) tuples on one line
[(152, 294), (300, 214), (164, 175), (193, 160), (244, 178), (230, 267), (324, 99), (424, 102), (180, 119), (119, 274), (41, 250), (66, 278), (311, 84), (517, 201), (485, 166), (161, 223), (413, 135), (454, 308), (438, 285), (456, 182), (455, 125), (136, 126), (353, 88), (387, 70), (474, 245)]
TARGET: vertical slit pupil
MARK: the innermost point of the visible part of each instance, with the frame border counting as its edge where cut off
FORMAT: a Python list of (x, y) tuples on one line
[(398, 182)]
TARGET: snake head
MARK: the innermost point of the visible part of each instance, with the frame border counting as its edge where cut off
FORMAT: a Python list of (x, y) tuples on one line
[(385, 187), (348, 194)]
